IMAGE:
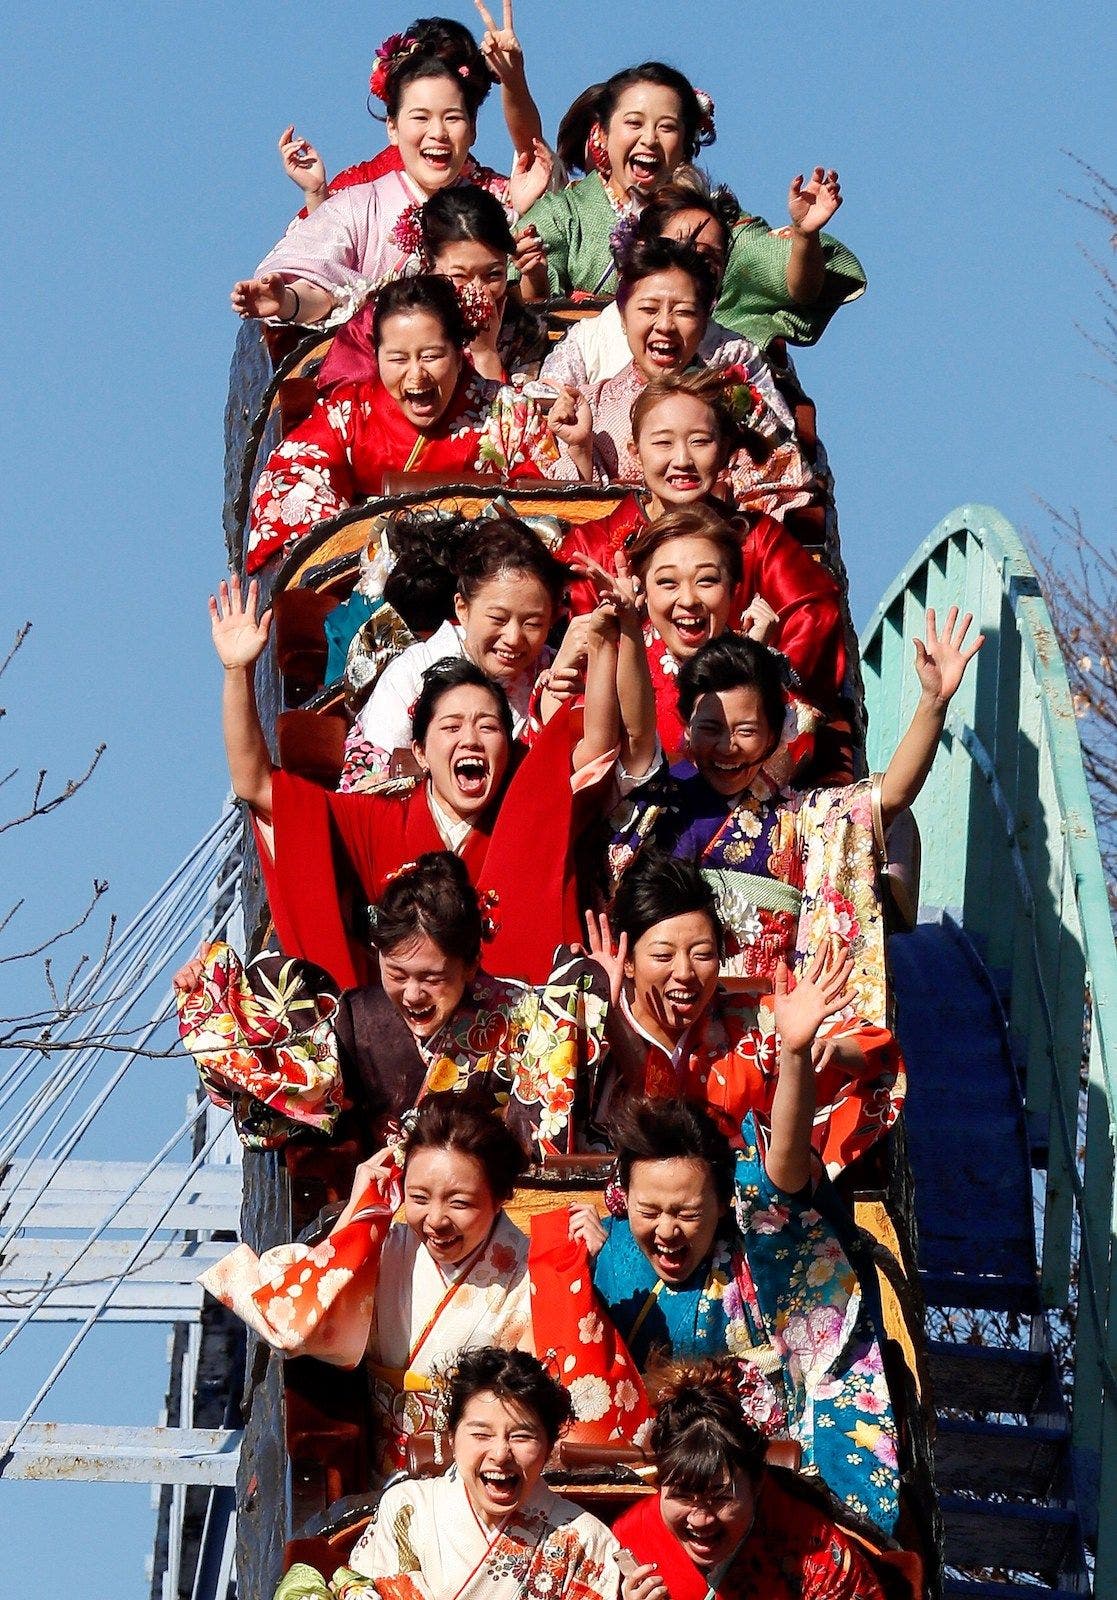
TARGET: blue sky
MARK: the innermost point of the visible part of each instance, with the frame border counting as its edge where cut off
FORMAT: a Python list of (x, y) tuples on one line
[(143, 180)]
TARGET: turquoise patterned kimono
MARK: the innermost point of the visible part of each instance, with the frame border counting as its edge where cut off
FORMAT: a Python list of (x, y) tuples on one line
[(778, 1293), (575, 224)]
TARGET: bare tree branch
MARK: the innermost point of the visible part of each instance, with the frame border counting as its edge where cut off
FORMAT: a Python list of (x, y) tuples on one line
[(43, 808), (100, 886)]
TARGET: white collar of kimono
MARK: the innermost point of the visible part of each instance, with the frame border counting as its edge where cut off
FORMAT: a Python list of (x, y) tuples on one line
[(675, 1055), (451, 830)]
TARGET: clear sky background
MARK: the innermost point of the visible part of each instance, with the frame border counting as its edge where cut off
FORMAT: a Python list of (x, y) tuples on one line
[(142, 180)]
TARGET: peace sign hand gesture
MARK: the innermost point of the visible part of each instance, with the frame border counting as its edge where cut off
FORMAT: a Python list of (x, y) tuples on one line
[(501, 49), (811, 204)]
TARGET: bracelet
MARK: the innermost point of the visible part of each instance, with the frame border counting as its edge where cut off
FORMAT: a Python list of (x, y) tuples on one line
[(298, 304)]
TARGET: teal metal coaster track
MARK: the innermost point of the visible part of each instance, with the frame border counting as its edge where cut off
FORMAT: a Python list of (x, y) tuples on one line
[(1011, 859)]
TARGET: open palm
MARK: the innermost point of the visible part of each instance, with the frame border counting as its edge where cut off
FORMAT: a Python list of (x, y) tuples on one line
[(237, 636), (942, 659)]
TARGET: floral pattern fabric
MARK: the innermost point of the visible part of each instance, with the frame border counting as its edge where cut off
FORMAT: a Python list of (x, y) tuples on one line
[(779, 1293), (263, 1040), (546, 1550), (357, 434)]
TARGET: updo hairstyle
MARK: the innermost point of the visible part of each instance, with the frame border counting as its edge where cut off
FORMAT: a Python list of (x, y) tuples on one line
[(434, 897), (671, 1130), (597, 104), (426, 292), (514, 1377), (444, 49), (454, 673), (656, 888), (505, 544), (700, 1438), (465, 1121), (691, 522), (646, 257), (733, 662), (463, 212), (714, 387)]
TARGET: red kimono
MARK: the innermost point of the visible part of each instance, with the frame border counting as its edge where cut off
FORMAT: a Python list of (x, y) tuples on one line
[(776, 567), (523, 855), (793, 1551), (352, 438)]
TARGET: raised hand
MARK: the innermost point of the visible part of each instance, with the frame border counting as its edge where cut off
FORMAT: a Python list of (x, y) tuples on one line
[(531, 252), (188, 977), (941, 662), (237, 636), (268, 296), (644, 1582), (759, 621), (530, 175), (609, 956), (820, 992), (302, 163), (620, 588), (501, 49), (585, 1224), (813, 202)]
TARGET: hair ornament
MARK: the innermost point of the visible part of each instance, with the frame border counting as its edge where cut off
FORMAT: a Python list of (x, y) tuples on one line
[(707, 129), (616, 1202), (746, 403), (396, 48), (407, 235), (488, 900), (400, 872), (477, 308), (623, 236)]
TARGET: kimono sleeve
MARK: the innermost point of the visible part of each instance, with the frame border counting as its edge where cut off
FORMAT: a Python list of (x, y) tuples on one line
[(806, 599), (754, 298), (386, 1549), (566, 362), (840, 857), (558, 1034), (308, 477), (330, 247)]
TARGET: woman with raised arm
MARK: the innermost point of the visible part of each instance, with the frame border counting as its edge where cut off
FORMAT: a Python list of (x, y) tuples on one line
[(721, 1251), (725, 1527), (675, 1031), (789, 868), (452, 43), (426, 410), (631, 134), (323, 268), (461, 234), (473, 798), (434, 1020)]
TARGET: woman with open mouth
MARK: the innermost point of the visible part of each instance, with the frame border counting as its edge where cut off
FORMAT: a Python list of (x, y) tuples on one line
[(676, 1031), (477, 796), (461, 233), (491, 1527), (723, 1524), (321, 270), (629, 136), (425, 410), (719, 1251), (509, 591)]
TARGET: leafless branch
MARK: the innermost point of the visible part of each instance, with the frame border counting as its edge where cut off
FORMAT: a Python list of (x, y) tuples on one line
[(100, 886), (42, 808)]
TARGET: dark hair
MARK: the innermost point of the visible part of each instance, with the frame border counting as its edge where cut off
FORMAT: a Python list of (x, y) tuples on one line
[(420, 586), (671, 1130), (657, 887), (436, 898), (511, 1375), (648, 256), (597, 104), (713, 386), (455, 672), (505, 544), (445, 49), (692, 522), (425, 292), (685, 194), (464, 212), (466, 1122), (733, 662), (700, 1438)]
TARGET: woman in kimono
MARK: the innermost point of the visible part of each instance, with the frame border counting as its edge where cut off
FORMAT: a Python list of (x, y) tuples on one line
[(324, 266), (509, 593), (469, 800), (674, 1031), (723, 1524), (278, 1043), (460, 233), (491, 1524), (733, 1252), (402, 1296), (631, 134), (499, 57), (426, 409), (789, 867)]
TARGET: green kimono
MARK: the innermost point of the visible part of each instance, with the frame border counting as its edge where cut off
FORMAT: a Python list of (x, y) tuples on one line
[(575, 225)]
